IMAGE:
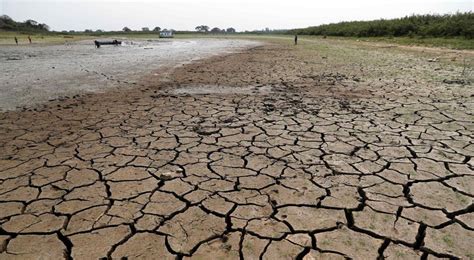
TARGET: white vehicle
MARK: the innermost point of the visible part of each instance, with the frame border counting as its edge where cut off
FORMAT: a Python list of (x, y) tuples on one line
[(166, 34)]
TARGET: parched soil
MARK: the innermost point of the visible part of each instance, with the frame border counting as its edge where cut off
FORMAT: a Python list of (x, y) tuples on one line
[(325, 150)]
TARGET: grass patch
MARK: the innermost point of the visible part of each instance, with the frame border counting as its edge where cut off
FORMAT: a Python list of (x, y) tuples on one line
[(8, 38), (459, 43), (448, 240), (400, 254), (325, 242), (461, 198), (451, 43)]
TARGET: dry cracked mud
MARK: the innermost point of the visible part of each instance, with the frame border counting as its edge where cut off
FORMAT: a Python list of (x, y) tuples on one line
[(327, 150)]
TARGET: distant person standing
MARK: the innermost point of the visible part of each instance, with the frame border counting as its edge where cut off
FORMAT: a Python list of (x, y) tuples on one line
[(29, 38), (296, 39), (16, 40)]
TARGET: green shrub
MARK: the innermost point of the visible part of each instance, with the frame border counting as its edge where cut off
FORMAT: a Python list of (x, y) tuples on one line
[(449, 25)]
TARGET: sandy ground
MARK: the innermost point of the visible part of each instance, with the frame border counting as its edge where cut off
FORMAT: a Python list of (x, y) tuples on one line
[(326, 150), (32, 75)]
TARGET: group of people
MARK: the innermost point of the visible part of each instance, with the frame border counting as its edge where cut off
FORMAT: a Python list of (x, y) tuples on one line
[(29, 39)]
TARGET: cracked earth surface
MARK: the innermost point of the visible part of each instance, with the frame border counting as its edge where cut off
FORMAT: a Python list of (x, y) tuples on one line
[(327, 150)]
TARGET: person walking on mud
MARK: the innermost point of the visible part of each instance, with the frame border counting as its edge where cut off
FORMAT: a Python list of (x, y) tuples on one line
[(296, 39), (29, 39), (16, 40)]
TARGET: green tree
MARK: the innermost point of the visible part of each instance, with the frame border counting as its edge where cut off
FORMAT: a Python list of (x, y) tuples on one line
[(202, 28), (215, 30), (449, 25)]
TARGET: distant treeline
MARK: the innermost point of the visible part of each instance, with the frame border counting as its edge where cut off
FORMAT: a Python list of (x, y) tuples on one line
[(449, 25), (8, 24)]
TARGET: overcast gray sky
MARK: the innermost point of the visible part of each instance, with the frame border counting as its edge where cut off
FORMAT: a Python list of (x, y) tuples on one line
[(241, 14)]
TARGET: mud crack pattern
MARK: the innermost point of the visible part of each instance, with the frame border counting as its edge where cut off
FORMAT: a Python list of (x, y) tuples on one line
[(316, 167)]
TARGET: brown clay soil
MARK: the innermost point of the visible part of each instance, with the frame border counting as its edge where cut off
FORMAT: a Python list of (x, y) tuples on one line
[(325, 150)]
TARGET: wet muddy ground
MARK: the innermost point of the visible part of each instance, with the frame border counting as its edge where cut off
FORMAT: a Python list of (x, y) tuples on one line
[(326, 150), (33, 75)]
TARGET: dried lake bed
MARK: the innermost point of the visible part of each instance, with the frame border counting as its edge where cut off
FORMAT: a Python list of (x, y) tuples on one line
[(326, 150), (34, 74)]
